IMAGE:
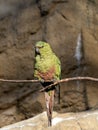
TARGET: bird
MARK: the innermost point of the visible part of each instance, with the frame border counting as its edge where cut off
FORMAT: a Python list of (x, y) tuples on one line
[(47, 69)]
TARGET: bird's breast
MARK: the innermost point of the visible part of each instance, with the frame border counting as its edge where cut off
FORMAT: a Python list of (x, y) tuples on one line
[(48, 75)]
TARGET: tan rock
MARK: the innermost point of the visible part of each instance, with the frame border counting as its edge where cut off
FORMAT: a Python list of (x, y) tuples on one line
[(69, 121)]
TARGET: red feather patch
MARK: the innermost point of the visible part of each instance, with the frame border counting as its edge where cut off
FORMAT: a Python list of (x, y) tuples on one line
[(47, 75)]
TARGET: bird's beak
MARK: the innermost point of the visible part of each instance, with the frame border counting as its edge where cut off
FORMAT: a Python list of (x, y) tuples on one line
[(37, 50)]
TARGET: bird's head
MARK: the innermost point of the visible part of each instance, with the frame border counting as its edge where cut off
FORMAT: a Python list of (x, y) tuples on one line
[(42, 48)]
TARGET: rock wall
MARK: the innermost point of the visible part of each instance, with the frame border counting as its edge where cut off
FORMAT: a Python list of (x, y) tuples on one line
[(59, 22)]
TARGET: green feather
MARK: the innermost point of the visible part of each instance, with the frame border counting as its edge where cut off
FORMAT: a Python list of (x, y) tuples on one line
[(46, 60)]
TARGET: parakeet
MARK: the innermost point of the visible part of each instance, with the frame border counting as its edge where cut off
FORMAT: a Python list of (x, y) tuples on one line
[(47, 67)]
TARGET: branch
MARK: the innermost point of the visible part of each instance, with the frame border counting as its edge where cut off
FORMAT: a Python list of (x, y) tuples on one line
[(69, 79), (23, 81), (19, 81), (55, 83)]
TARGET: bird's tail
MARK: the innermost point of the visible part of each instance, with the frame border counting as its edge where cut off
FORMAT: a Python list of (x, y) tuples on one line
[(49, 97)]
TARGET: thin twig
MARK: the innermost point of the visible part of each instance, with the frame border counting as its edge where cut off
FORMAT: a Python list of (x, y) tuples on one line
[(70, 79), (23, 81), (55, 83), (19, 81)]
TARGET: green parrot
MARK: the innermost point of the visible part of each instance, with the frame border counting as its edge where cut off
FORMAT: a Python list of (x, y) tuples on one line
[(47, 67)]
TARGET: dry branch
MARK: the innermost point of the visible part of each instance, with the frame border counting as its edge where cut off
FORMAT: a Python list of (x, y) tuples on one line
[(70, 79), (19, 81), (55, 83)]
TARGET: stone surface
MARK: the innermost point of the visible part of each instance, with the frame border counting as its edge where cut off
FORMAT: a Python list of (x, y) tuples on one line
[(59, 22), (69, 121)]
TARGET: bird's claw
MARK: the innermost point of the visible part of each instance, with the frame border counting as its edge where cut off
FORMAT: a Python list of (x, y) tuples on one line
[(54, 80), (42, 80)]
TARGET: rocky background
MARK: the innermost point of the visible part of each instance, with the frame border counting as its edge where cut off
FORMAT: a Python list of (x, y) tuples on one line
[(61, 23)]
